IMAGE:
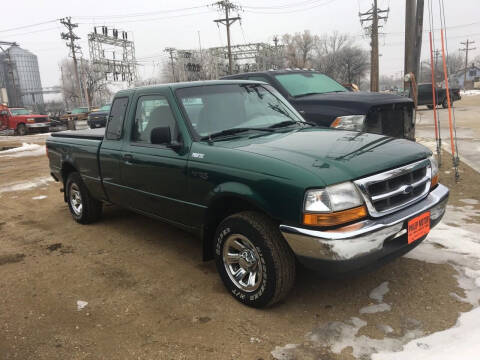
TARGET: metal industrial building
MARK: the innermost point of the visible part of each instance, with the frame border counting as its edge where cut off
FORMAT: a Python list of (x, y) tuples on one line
[(20, 77)]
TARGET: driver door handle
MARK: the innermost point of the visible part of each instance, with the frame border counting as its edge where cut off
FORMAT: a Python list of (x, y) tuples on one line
[(127, 158)]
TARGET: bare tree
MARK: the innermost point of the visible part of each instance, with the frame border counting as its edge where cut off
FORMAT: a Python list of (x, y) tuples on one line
[(299, 49), (93, 83)]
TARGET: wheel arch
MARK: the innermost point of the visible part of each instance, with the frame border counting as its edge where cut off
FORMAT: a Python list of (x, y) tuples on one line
[(66, 169), (227, 202)]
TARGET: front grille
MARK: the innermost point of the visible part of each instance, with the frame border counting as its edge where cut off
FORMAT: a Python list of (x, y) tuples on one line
[(393, 190), (41, 120), (393, 120)]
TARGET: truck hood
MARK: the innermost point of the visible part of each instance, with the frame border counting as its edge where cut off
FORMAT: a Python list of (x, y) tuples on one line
[(30, 116), (333, 155), (355, 102)]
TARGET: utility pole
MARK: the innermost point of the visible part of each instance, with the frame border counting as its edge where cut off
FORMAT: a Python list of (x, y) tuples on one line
[(71, 37), (227, 6), (413, 39), (276, 62), (372, 18), (466, 49), (171, 51)]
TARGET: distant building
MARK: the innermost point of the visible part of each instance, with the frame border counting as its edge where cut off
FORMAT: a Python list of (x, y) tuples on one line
[(20, 77), (473, 76)]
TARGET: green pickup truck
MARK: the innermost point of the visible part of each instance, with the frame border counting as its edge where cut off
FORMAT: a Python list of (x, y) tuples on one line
[(234, 163)]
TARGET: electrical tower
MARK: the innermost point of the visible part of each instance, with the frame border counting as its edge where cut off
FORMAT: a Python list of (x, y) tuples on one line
[(370, 21), (74, 49), (227, 6), (112, 54), (466, 49)]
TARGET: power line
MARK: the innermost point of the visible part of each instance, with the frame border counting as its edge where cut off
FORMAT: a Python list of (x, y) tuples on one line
[(28, 26), (288, 11)]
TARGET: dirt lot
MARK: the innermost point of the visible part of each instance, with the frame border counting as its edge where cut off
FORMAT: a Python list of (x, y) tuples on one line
[(151, 297)]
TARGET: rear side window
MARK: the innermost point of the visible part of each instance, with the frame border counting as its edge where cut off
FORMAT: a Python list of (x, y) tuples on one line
[(115, 121)]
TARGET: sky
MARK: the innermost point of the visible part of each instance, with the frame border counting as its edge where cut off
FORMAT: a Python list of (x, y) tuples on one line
[(160, 24)]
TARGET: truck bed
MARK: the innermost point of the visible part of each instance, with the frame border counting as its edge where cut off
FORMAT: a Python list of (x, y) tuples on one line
[(90, 134)]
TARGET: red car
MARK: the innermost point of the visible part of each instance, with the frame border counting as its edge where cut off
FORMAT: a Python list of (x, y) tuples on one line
[(21, 121)]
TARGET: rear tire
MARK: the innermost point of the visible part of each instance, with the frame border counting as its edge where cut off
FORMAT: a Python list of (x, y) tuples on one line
[(250, 243), (21, 130), (445, 103), (83, 207)]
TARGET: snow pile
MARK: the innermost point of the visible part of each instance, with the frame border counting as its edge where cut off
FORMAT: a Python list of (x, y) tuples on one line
[(25, 185), (24, 150), (469, 92)]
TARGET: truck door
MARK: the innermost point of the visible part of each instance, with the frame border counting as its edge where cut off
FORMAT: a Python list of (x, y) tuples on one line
[(111, 151), (154, 175), (425, 94)]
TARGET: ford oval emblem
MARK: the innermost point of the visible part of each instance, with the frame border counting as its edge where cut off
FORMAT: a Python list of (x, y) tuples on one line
[(408, 189)]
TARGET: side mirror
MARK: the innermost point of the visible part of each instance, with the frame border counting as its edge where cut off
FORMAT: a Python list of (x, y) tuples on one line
[(163, 136)]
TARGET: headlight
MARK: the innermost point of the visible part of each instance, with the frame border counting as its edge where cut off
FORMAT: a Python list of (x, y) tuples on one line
[(333, 198), (334, 205), (350, 122), (434, 166)]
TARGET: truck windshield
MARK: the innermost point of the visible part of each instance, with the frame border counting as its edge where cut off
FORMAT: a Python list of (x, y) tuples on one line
[(79, 110), (215, 108), (105, 107), (20, 112), (299, 84)]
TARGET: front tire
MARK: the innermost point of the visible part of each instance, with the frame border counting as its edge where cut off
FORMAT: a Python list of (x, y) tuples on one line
[(253, 260), (21, 130), (83, 207)]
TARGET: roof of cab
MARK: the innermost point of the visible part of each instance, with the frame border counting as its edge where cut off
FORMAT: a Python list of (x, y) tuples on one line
[(180, 85)]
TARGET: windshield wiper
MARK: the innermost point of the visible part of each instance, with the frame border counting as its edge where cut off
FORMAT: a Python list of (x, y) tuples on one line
[(232, 131), (291, 122), (306, 94)]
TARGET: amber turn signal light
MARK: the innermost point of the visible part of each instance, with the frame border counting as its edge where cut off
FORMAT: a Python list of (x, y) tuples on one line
[(434, 182), (335, 218), (335, 122)]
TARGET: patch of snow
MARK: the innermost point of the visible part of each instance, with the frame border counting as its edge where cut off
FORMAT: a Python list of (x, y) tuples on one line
[(379, 292), (470, 201), (459, 342), (40, 197), (284, 352), (469, 92), (81, 304), (25, 150), (372, 309), (22, 186)]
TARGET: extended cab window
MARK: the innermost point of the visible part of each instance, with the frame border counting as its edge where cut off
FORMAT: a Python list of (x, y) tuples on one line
[(153, 111), (117, 115)]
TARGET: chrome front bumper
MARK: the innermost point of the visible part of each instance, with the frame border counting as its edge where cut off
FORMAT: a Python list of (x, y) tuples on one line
[(38, 125), (365, 237)]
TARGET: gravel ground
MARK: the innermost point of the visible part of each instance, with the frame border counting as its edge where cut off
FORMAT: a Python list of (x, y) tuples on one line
[(149, 295)]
